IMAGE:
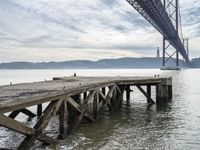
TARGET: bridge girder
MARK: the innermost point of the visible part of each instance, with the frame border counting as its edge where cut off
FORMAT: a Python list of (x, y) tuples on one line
[(155, 13)]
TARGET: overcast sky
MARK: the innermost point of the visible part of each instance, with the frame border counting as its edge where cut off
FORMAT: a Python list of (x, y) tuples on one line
[(57, 30)]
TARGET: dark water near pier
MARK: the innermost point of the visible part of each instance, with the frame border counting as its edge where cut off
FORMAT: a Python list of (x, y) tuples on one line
[(174, 126)]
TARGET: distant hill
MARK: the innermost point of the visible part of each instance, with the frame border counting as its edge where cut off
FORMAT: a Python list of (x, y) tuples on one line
[(147, 62)]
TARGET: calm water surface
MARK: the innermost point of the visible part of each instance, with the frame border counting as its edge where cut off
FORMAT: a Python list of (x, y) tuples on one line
[(174, 126)]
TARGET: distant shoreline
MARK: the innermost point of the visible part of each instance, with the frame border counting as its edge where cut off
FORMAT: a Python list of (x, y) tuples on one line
[(120, 63)]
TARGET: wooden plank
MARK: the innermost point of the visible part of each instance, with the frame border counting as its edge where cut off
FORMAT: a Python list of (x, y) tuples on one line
[(74, 104), (28, 113), (145, 94), (14, 114), (48, 140), (15, 125), (24, 111)]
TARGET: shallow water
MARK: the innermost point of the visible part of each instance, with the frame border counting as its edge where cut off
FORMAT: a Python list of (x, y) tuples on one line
[(173, 126)]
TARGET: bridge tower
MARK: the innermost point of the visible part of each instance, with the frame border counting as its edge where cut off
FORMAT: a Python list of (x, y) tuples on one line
[(172, 8), (186, 45)]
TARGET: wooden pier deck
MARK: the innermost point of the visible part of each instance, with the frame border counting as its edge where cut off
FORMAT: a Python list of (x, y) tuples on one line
[(70, 98)]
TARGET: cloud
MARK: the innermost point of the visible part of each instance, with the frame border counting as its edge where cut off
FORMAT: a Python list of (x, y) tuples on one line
[(91, 29)]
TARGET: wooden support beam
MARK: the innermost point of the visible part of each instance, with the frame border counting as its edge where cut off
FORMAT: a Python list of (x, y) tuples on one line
[(74, 104), (76, 120), (128, 90), (63, 117), (84, 95), (39, 110), (24, 111), (48, 140), (28, 113), (120, 96), (15, 125), (103, 89), (88, 118), (149, 93), (162, 94), (95, 105), (170, 92), (145, 94), (88, 98), (14, 114), (106, 99), (114, 98), (49, 112)]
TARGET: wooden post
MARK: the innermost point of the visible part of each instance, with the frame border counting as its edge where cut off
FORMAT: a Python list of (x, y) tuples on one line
[(120, 95), (63, 120), (164, 91), (149, 93), (39, 110), (104, 90), (114, 99), (95, 105), (128, 90), (73, 110), (161, 94), (84, 95)]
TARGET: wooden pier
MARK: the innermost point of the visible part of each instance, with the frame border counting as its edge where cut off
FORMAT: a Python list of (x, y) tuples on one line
[(72, 99)]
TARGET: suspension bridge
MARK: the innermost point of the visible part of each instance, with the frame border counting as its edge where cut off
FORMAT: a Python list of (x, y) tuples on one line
[(164, 16)]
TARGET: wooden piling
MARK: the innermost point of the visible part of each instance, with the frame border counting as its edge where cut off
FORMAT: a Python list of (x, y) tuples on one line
[(164, 91), (39, 110), (95, 106), (149, 93), (103, 89), (63, 119), (128, 90)]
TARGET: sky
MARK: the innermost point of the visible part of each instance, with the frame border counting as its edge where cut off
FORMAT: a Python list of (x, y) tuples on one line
[(60, 30)]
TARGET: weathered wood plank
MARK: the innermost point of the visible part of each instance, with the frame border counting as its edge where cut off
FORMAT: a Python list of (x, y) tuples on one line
[(14, 114), (15, 125), (145, 94), (28, 113), (74, 104), (48, 140)]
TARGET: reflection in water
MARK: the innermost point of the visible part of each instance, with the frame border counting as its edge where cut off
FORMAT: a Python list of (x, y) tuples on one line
[(138, 126)]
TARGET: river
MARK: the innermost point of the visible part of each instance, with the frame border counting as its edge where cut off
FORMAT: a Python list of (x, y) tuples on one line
[(175, 126)]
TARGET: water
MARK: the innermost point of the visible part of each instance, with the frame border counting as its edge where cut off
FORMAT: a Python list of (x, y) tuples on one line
[(175, 126)]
